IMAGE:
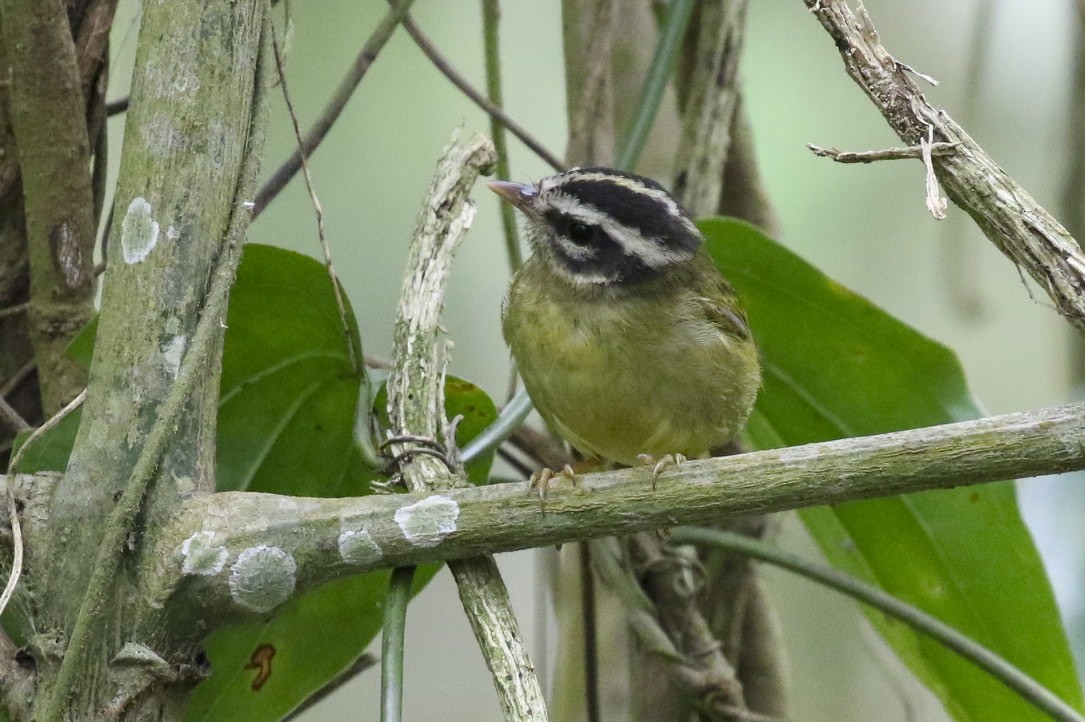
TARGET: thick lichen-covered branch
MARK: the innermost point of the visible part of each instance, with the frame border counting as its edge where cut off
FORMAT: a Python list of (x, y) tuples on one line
[(193, 141), (330, 538)]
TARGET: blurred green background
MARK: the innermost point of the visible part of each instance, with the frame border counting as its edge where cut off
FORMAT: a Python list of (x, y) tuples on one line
[(864, 225)]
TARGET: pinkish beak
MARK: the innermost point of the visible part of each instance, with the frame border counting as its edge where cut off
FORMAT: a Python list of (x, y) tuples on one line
[(520, 195)]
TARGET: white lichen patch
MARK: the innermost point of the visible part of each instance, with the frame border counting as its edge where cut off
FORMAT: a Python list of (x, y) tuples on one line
[(139, 231), (425, 523), (201, 555), (172, 234), (262, 578), (173, 352), (356, 546)]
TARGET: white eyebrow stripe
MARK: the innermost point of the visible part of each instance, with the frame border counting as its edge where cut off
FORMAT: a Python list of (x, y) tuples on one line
[(656, 194), (650, 251)]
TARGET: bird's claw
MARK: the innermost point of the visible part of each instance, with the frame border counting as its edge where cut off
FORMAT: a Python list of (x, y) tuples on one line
[(539, 483), (675, 460)]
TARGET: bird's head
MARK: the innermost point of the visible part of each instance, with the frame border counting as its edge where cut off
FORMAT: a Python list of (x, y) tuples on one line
[(603, 227)]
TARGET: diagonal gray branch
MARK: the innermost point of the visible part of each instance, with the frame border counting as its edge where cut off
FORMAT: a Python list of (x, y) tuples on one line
[(1004, 211)]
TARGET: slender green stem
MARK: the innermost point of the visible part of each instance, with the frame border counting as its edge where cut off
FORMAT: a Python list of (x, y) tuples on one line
[(660, 71), (514, 413), (491, 21), (392, 643), (971, 650)]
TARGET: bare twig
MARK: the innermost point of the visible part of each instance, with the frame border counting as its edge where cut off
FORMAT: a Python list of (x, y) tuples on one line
[(15, 421), (416, 408), (1004, 211), (18, 377), (334, 108), (116, 107), (430, 51), (873, 156), (50, 424), (344, 319), (502, 517), (15, 310), (364, 662)]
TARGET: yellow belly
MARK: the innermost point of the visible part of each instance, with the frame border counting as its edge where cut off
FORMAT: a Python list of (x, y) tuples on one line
[(616, 380)]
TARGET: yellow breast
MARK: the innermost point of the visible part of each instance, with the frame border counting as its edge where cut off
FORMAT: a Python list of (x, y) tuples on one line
[(619, 375)]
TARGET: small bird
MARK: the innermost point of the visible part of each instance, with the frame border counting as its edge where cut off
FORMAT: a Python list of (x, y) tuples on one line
[(630, 343)]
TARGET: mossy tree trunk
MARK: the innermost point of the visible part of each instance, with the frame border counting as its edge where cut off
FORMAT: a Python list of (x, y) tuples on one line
[(102, 646)]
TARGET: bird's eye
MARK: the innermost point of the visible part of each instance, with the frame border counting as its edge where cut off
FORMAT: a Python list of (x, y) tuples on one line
[(580, 233)]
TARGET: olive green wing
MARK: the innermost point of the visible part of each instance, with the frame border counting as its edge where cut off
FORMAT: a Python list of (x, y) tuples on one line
[(722, 309)]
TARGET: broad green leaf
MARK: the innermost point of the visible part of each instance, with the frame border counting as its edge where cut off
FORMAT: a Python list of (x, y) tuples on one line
[(286, 421), (51, 450), (837, 366), (288, 394), (311, 640)]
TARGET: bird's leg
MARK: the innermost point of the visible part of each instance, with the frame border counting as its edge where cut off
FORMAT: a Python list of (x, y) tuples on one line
[(658, 466)]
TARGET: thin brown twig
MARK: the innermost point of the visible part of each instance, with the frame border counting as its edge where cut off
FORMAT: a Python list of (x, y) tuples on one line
[(16, 420), (14, 310), (116, 107), (331, 112), (18, 377), (873, 156), (430, 51), (344, 318), (364, 662)]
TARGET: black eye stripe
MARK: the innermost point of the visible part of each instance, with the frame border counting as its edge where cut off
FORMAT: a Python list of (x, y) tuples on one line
[(605, 257), (576, 230), (649, 215)]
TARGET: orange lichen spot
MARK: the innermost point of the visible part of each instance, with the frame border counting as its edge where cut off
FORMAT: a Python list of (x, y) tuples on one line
[(261, 661)]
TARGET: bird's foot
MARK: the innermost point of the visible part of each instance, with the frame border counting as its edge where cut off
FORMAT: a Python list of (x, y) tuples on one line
[(539, 483), (659, 465)]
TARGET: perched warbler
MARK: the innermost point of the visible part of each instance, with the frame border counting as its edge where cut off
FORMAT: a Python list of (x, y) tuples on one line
[(629, 341)]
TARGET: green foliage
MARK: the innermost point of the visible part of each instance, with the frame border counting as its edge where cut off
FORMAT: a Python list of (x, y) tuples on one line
[(286, 425), (837, 366), (834, 366), (289, 406)]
